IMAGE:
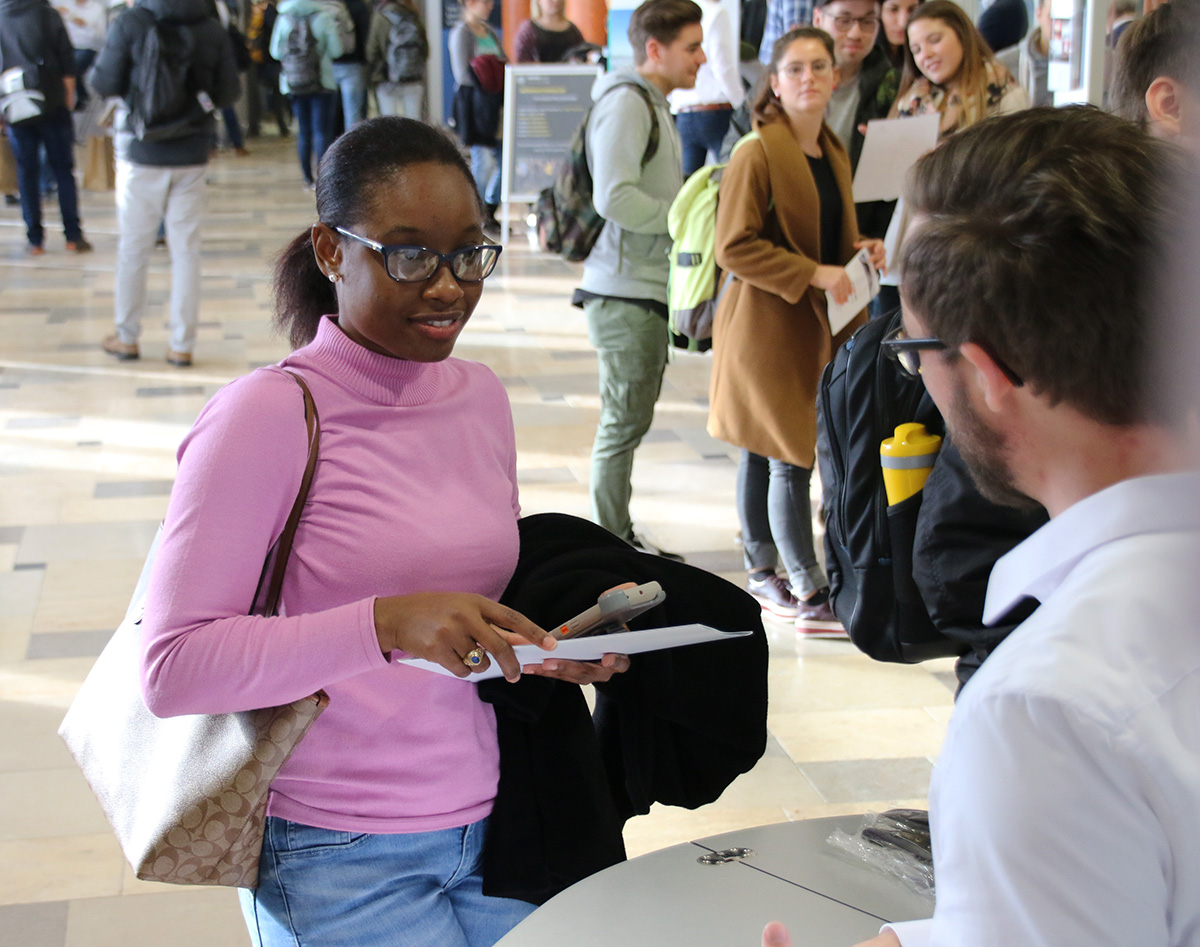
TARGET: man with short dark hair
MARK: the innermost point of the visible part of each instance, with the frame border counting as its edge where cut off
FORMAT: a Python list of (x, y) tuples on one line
[(862, 68), (624, 287), (866, 87), (1156, 76), (1064, 799), (37, 92)]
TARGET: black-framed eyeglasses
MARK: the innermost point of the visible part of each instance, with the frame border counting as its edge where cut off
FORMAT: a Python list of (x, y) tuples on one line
[(845, 22), (906, 353), (408, 263)]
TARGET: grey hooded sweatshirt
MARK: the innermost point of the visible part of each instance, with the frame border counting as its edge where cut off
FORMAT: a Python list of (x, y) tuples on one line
[(629, 259)]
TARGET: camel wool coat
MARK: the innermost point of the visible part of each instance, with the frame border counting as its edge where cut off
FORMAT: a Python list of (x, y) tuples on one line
[(771, 337)]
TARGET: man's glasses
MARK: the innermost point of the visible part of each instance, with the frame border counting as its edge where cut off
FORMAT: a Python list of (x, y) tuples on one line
[(906, 353), (845, 22), (406, 263)]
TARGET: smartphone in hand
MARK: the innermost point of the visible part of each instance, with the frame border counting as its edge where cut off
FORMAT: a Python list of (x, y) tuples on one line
[(612, 611)]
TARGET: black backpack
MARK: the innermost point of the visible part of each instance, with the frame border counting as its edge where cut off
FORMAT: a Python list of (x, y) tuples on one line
[(162, 101), (301, 58), (868, 545)]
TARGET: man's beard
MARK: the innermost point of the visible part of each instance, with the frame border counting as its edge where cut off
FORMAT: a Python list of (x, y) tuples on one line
[(985, 452)]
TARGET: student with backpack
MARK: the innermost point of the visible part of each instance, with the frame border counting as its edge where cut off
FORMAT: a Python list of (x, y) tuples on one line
[(37, 75), (636, 161), (786, 227), (306, 40), (172, 63), (397, 50)]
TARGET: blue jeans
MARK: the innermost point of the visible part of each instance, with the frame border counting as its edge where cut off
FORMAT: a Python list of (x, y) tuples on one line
[(56, 133), (701, 134), (233, 127), (351, 78), (83, 62), (347, 889), (775, 510), (485, 168), (312, 129)]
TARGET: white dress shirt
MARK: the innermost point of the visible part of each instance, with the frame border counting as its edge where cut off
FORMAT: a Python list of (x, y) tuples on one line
[(719, 80), (86, 23), (1065, 801)]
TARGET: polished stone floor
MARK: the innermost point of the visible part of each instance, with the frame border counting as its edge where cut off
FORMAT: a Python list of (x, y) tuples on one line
[(86, 461)]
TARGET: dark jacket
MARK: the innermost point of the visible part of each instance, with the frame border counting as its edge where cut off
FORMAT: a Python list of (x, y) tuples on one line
[(676, 728), (879, 82), (213, 71), (32, 35)]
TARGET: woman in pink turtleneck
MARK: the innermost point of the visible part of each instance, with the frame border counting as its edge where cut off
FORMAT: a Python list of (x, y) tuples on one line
[(376, 823)]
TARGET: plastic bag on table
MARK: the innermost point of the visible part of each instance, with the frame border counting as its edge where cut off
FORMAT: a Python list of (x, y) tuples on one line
[(895, 841)]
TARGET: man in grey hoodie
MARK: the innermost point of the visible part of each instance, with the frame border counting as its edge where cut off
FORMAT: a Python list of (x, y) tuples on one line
[(163, 174), (624, 289)]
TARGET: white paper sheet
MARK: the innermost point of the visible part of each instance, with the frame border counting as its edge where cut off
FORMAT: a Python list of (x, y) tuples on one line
[(864, 286), (592, 649), (892, 146)]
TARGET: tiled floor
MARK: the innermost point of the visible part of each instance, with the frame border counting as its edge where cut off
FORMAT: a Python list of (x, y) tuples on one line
[(86, 460)]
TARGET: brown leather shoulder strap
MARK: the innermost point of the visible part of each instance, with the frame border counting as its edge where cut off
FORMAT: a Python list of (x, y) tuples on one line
[(284, 547)]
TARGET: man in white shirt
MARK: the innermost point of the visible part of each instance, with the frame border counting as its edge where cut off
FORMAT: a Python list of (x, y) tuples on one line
[(87, 23), (1064, 801), (702, 112)]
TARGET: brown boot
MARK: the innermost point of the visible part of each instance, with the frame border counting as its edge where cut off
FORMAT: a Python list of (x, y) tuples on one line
[(125, 351)]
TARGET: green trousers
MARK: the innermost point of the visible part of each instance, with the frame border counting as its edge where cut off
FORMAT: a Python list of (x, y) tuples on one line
[(631, 342)]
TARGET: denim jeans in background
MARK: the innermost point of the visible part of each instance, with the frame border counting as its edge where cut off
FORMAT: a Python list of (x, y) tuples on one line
[(485, 168), (233, 127), (631, 343), (701, 134), (56, 133), (405, 99), (758, 545), (784, 497), (348, 889), (312, 129), (83, 62), (351, 79)]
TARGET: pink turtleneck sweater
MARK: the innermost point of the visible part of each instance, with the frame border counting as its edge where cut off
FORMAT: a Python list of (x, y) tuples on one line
[(415, 490)]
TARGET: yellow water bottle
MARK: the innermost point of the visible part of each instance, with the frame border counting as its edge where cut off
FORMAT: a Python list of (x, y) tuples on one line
[(907, 460)]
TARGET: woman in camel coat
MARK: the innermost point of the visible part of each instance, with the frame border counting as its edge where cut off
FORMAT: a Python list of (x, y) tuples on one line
[(785, 228)]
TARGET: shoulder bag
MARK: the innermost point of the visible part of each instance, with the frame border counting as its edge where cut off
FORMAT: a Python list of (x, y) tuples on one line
[(187, 796)]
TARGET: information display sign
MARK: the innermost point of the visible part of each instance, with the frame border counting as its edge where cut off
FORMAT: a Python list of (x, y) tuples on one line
[(543, 105)]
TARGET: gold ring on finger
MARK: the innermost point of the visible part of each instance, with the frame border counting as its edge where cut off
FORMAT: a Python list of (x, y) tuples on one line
[(474, 657)]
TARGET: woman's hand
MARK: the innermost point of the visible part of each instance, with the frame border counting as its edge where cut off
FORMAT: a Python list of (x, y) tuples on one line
[(834, 280), (876, 250), (444, 627), (580, 672)]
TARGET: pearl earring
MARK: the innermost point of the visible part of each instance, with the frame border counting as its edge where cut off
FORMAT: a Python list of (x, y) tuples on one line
[(334, 277)]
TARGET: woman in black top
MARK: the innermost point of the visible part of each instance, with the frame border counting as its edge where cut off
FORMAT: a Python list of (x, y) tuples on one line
[(547, 35)]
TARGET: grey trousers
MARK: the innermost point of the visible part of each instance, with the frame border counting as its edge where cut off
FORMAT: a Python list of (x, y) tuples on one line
[(146, 197)]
